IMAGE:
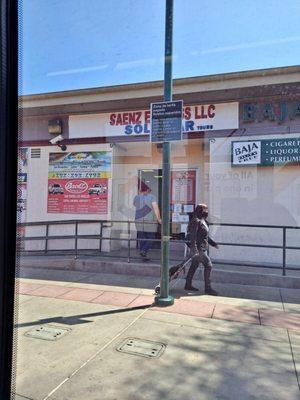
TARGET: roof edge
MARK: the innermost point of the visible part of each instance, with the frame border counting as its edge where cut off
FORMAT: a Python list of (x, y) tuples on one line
[(177, 82)]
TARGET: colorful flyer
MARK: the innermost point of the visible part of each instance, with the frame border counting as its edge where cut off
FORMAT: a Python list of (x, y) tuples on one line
[(78, 182)]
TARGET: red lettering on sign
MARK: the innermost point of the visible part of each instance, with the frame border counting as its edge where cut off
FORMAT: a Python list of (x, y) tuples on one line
[(203, 115), (187, 113), (210, 111), (131, 118), (128, 118), (112, 119), (147, 117), (138, 117), (119, 119), (125, 119), (200, 114)]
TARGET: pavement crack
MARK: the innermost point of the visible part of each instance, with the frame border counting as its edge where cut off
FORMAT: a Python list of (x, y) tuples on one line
[(281, 299), (95, 355), (259, 316), (213, 311), (293, 357), (24, 397)]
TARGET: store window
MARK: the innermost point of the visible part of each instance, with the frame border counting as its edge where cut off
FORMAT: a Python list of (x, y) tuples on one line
[(98, 245)]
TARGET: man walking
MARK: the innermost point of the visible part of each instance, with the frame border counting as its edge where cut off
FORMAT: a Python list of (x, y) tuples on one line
[(146, 217)]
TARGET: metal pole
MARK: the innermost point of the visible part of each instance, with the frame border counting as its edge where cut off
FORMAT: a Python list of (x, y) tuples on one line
[(46, 242), (76, 240), (128, 242), (101, 234), (164, 299), (284, 252)]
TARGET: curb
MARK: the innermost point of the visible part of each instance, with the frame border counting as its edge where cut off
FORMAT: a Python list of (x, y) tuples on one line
[(153, 270)]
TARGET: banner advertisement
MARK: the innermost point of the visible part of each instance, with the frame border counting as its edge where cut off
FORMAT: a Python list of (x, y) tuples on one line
[(78, 182), (204, 117), (22, 184), (266, 152)]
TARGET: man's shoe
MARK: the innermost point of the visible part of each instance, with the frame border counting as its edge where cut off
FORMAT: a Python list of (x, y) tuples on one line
[(191, 288), (144, 256), (210, 291)]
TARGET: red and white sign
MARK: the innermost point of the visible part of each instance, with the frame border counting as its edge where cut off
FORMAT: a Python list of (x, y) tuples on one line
[(78, 182), (205, 117), (70, 196), (76, 187), (183, 187)]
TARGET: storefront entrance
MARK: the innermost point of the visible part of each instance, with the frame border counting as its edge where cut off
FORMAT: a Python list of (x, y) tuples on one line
[(153, 179), (182, 192)]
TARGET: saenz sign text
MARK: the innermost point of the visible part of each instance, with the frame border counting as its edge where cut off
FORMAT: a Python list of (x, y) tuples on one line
[(266, 152), (166, 121), (195, 118)]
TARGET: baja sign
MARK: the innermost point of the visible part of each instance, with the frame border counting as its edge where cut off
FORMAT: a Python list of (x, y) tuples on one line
[(267, 152), (246, 153)]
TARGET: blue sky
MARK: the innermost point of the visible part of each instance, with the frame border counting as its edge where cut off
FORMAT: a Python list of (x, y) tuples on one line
[(75, 44)]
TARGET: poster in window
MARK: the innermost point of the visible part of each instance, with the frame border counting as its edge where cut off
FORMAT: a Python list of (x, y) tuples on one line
[(183, 187), (22, 184), (78, 182)]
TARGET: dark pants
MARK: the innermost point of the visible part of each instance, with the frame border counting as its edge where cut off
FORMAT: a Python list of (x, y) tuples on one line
[(203, 258), (145, 245)]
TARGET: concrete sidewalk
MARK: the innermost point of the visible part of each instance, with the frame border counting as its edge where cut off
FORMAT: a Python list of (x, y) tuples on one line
[(244, 344), (224, 274)]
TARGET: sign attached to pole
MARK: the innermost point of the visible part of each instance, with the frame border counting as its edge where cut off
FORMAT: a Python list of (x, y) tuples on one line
[(267, 152), (166, 121)]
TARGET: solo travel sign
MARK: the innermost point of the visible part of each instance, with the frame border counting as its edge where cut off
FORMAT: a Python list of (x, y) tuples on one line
[(267, 152)]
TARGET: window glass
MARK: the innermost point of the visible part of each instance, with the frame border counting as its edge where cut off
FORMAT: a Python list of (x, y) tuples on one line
[(99, 237)]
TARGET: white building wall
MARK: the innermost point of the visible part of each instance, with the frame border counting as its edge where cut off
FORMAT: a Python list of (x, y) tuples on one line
[(253, 195), (37, 205)]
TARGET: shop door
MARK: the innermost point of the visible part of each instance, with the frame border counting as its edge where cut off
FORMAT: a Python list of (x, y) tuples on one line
[(153, 179), (183, 197)]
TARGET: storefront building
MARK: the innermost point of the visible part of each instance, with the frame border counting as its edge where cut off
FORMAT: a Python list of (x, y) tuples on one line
[(240, 154)]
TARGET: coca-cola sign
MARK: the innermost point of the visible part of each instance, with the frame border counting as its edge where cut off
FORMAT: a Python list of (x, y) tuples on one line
[(76, 186)]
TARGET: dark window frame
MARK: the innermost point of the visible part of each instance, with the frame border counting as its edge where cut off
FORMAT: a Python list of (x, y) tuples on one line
[(8, 180)]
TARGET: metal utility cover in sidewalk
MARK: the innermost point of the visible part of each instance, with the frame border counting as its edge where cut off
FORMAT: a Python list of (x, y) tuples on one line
[(141, 347), (48, 332)]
